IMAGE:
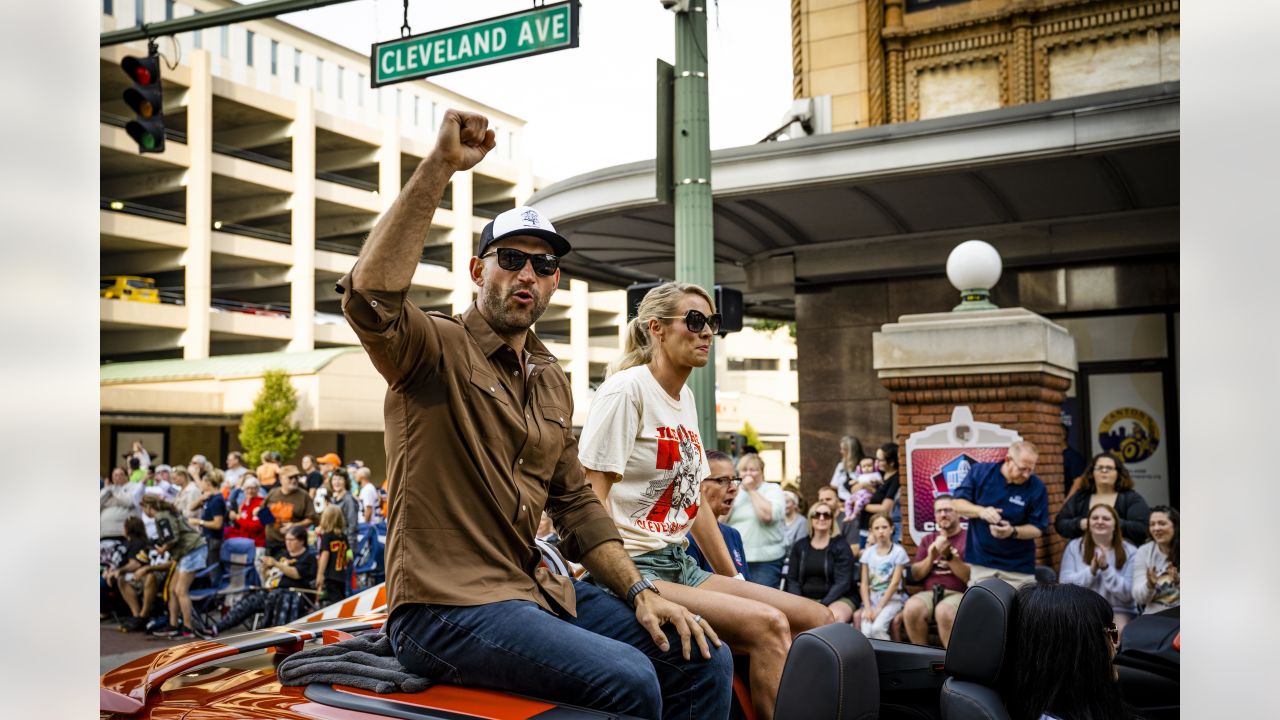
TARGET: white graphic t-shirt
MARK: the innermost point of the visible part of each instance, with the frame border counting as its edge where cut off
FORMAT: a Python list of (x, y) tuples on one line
[(634, 428)]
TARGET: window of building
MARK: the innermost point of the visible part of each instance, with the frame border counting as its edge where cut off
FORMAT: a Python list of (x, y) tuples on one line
[(360, 89), (753, 364), (275, 57), (793, 364), (248, 48), (417, 103), (139, 12), (168, 9), (108, 7), (399, 94), (341, 80), (297, 66), (197, 36), (319, 74), (433, 114), (224, 33)]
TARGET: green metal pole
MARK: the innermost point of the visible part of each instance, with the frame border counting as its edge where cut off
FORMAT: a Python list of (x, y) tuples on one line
[(695, 240)]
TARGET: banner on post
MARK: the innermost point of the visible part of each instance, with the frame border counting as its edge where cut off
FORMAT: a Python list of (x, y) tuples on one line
[(939, 458)]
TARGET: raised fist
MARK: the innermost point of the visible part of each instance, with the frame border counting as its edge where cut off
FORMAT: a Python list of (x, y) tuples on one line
[(464, 139)]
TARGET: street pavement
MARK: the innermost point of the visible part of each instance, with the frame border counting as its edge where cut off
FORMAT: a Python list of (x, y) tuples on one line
[(117, 648)]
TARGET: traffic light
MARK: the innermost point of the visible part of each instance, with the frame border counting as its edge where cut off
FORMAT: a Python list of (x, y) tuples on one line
[(144, 97)]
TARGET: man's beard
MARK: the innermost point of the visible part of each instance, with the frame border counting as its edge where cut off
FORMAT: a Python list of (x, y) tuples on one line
[(508, 322)]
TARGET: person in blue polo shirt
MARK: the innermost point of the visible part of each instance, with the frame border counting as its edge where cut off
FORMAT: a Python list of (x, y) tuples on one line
[(718, 492), (1008, 508)]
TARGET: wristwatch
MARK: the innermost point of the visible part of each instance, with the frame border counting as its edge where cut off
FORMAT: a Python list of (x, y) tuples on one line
[(638, 588)]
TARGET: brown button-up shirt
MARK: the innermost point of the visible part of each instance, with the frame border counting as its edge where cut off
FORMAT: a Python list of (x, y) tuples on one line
[(475, 451)]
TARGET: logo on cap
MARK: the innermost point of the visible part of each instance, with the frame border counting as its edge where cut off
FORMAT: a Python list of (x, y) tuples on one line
[(531, 218)]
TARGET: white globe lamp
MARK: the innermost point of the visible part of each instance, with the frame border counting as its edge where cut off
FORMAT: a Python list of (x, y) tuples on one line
[(974, 267)]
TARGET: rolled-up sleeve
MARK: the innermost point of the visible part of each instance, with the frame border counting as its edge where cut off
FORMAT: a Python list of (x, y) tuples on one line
[(401, 340)]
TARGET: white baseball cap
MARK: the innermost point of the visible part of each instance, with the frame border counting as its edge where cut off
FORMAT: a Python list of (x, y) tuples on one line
[(523, 220)]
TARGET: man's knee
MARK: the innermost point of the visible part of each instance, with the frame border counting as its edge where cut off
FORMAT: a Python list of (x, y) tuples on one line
[(946, 614), (915, 609), (632, 687)]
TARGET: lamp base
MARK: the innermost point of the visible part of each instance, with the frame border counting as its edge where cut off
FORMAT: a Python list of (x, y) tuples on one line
[(977, 299)]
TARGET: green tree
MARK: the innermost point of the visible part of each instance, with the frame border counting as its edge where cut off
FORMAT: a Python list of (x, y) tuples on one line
[(270, 425), (753, 437)]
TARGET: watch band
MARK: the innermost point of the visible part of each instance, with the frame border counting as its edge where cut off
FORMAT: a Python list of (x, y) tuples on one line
[(638, 588)]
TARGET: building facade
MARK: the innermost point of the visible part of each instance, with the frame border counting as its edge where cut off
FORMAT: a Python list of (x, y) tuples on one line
[(279, 158), (1048, 128), (892, 61)]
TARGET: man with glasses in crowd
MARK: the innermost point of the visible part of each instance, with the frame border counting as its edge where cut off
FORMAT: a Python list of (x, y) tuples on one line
[(479, 442), (718, 491), (1008, 508), (941, 568)]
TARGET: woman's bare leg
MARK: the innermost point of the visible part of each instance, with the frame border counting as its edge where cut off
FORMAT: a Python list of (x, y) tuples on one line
[(841, 612), (754, 619)]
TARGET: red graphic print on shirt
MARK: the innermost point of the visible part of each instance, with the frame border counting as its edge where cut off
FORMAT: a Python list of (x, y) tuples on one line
[(672, 498)]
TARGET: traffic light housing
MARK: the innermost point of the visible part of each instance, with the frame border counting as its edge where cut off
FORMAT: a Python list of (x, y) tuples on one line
[(145, 99)]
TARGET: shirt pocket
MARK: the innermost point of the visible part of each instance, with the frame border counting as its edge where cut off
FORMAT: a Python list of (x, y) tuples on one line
[(490, 404)]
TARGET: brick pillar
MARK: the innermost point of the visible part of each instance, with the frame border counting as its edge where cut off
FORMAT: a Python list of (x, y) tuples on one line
[(1010, 366)]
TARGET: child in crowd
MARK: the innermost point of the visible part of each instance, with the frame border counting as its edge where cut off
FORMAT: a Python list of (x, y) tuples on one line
[(882, 588), (867, 475), (333, 574)]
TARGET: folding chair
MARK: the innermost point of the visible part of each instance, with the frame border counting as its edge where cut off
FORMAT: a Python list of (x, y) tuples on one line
[(237, 575), (368, 566)]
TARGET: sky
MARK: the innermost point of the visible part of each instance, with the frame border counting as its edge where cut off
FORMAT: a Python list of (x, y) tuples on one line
[(593, 106)]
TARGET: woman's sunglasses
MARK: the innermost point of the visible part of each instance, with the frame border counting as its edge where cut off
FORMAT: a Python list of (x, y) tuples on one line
[(695, 321), (816, 515), (511, 259)]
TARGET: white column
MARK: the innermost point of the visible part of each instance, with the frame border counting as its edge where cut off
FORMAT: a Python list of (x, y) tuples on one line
[(389, 164), (198, 260), (460, 239), (302, 211), (579, 342)]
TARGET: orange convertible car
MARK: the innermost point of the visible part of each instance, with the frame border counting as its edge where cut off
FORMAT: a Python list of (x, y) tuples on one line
[(831, 672)]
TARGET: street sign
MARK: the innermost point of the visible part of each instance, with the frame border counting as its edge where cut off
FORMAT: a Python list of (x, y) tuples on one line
[(520, 34)]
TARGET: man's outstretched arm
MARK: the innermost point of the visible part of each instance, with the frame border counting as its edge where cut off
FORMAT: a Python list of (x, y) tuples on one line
[(393, 249)]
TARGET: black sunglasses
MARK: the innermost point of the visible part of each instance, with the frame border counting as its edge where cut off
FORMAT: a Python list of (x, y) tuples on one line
[(826, 515), (511, 259), (695, 321)]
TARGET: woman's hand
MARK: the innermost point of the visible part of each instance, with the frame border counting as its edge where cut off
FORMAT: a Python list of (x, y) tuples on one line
[(1099, 559), (1174, 577), (1151, 578)]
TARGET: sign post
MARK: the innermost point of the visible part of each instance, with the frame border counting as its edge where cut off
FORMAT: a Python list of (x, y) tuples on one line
[(939, 458), (545, 28)]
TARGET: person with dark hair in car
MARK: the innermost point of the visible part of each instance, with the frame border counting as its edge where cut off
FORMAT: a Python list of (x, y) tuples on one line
[(1052, 627)]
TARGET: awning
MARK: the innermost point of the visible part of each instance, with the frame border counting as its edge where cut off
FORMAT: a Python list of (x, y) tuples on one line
[(1089, 177)]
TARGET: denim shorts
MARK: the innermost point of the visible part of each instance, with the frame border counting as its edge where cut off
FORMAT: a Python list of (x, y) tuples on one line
[(671, 564), (195, 560)]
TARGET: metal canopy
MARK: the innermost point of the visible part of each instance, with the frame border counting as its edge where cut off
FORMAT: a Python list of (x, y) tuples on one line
[(1083, 178)]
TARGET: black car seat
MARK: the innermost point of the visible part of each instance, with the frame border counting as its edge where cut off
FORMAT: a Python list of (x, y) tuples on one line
[(976, 653), (830, 673)]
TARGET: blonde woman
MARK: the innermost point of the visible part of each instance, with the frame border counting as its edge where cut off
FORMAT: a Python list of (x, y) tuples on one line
[(757, 514), (645, 460), (333, 562), (820, 569)]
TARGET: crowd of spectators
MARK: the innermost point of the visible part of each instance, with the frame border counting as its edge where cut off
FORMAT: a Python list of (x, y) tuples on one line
[(161, 527), (1121, 550)]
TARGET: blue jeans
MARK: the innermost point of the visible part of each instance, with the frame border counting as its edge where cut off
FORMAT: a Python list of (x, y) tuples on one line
[(602, 659), (766, 573)]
